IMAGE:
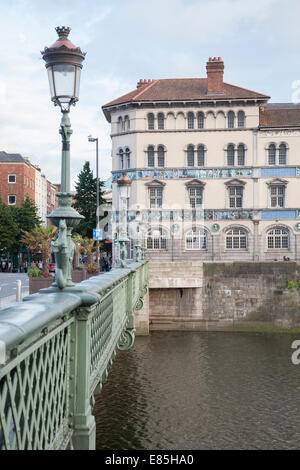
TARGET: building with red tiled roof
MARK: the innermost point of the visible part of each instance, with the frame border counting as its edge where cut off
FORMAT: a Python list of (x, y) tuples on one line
[(215, 169)]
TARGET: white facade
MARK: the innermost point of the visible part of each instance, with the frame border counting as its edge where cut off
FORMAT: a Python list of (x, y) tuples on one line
[(41, 194), (215, 179)]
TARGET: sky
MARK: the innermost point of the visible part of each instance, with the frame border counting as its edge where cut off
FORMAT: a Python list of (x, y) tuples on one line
[(126, 40)]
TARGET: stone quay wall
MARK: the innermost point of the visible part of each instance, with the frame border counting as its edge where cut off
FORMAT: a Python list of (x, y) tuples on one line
[(222, 296)]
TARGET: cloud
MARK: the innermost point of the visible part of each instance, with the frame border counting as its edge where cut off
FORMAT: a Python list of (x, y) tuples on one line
[(126, 41)]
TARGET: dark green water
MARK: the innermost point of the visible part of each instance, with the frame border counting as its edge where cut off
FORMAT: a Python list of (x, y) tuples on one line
[(190, 390)]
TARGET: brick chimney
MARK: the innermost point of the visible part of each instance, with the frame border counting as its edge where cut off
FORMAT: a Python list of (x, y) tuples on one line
[(215, 70), (143, 83)]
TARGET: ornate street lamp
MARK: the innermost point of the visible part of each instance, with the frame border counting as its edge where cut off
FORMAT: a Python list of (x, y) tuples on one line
[(64, 64), (124, 184)]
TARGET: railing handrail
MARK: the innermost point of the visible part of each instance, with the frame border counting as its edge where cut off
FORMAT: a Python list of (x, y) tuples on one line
[(58, 349), (21, 320)]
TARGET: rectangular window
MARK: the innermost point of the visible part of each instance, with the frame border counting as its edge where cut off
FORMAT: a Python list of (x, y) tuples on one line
[(277, 196), (155, 198), (11, 179), (12, 199), (235, 196), (195, 197)]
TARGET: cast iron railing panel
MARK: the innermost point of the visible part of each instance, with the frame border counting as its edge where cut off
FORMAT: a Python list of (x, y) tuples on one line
[(59, 346)]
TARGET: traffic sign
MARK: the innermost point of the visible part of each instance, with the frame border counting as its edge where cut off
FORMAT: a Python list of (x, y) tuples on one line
[(97, 234)]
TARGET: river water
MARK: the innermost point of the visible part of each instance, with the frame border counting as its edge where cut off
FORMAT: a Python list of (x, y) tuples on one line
[(202, 390)]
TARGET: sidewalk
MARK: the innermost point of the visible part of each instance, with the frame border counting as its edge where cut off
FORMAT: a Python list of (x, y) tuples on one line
[(11, 299)]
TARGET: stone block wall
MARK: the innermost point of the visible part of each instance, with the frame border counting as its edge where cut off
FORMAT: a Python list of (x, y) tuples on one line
[(254, 292), (218, 296)]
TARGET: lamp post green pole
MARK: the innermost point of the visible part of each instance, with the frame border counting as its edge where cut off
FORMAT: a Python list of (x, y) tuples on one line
[(64, 64), (124, 184), (65, 132)]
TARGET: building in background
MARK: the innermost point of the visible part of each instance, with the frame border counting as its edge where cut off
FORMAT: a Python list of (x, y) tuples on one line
[(107, 196), (215, 169), (52, 200), (17, 178), (20, 178)]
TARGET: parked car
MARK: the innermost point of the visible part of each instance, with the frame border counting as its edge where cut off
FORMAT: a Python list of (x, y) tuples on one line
[(52, 268)]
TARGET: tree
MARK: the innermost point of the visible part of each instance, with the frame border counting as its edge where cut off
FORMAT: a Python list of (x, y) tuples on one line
[(26, 216), (84, 246), (9, 230), (88, 248), (86, 200), (39, 241)]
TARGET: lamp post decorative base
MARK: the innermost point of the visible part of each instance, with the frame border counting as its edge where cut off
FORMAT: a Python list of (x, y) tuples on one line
[(123, 253), (65, 218)]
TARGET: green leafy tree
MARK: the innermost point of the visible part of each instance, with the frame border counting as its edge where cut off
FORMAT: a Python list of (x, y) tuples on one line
[(26, 215), (86, 200), (9, 230)]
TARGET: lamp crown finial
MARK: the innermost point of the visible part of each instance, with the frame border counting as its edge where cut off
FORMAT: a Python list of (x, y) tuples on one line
[(63, 31)]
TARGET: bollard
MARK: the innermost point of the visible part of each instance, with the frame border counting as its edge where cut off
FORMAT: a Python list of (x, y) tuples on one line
[(19, 291)]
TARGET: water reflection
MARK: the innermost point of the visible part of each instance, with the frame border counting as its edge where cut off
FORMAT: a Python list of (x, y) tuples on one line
[(186, 390)]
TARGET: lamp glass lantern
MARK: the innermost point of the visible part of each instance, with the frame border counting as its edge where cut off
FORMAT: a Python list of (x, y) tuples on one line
[(64, 64)]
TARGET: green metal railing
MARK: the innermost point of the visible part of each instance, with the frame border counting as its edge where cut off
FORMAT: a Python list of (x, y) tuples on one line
[(58, 349)]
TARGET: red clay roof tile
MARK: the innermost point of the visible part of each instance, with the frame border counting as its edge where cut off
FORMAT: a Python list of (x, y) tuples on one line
[(281, 117), (183, 89)]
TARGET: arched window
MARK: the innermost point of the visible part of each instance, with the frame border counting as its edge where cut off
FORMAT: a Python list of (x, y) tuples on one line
[(127, 157), (157, 239), (161, 121), (200, 155), (272, 154), (236, 239), (121, 154), (196, 239), (191, 119), (230, 155), (241, 154), (120, 124), (278, 238), (150, 152), (200, 120), (231, 119), (191, 155), (241, 119), (282, 154), (150, 121), (126, 124), (160, 156)]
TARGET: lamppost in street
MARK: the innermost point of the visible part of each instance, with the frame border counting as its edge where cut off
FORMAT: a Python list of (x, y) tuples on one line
[(124, 184), (95, 139), (64, 64)]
